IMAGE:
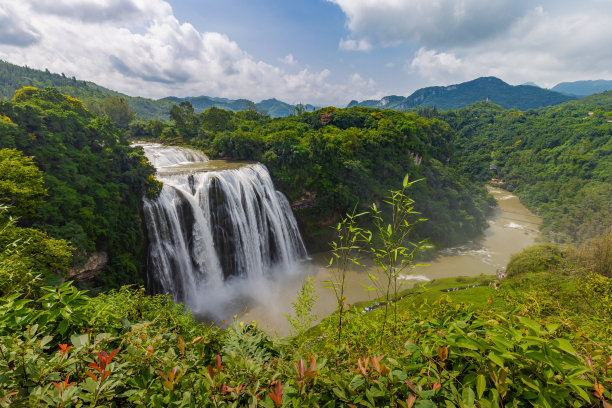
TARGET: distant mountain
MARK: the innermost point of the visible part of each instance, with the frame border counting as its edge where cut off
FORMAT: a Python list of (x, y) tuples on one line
[(13, 77), (272, 107), (583, 88), (457, 96)]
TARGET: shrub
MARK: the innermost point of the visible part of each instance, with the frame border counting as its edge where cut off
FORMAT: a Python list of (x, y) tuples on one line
[(537, 258)]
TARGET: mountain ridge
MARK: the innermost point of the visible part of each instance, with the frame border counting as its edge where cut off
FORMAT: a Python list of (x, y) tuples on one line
[(583, 88), (13, 77), (460, 95)]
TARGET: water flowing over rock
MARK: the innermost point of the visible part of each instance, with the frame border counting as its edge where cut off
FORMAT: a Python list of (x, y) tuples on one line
[(209, 227)]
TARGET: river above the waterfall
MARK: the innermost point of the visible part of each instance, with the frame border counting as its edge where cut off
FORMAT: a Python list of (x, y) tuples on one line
[(512, 227)]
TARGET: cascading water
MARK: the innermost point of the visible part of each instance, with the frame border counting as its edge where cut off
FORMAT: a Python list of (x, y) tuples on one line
[(210, 227)]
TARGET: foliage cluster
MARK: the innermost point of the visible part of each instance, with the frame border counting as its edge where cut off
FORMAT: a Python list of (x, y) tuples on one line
[(329, 160), (124, 348), (558, 160), (93, 179), (534, 259)]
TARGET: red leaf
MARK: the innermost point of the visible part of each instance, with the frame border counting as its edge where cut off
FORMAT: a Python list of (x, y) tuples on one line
[(300, 368), (277, 394), (410, 401), (218, 363), (411, 385), (92, 375), (112, 354)]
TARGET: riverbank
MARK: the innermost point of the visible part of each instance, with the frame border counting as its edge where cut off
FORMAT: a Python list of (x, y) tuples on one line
[(512, 227)]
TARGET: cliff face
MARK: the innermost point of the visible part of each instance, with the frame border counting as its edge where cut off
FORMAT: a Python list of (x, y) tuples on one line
[(87, 272)]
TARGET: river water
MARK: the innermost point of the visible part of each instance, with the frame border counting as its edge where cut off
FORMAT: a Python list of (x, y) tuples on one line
[(511, 228)]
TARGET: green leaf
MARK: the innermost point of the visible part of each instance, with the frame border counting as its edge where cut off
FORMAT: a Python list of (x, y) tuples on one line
[(564, 345), (531, 324), (79, 340), (481, 384), (468, 397), (62, 326), (496, 359), (425, 404), (339, 393), (356, 382)]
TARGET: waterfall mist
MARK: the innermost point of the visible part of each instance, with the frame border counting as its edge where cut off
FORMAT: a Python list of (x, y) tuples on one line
[(218, 238)]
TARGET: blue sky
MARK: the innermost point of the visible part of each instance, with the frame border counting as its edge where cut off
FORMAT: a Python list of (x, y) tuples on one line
[(312, 51)]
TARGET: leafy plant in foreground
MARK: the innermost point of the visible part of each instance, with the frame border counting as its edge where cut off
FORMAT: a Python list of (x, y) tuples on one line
[(345, 252), (302, 307), (394, 253)]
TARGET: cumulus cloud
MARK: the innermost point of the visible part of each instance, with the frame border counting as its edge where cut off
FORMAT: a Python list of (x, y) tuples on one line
[(288, 59), (540, 47), (140, 48), (516, 40), (437, 67), (431, 23), (355, 45), (19, 33)]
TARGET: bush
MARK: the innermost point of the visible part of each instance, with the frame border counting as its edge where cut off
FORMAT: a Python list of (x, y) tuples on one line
[(537, 258)]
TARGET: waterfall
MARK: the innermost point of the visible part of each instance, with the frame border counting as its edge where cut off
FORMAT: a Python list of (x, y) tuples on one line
[(210, 226)]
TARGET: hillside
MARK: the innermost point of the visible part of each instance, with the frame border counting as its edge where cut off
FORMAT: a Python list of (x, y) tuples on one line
[(272, 107), (93, 181), (557, 160), (583, 88), (457, 96), (13, 77)]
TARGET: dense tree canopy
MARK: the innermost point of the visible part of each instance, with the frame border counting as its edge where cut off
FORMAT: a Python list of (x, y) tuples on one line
[(331, 159), (93, 178), (558, 160)]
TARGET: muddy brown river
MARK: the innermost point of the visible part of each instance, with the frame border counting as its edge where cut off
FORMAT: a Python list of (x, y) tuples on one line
[(511, 228)]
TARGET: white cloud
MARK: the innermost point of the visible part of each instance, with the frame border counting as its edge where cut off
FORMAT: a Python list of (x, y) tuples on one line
[(288, 59), (430, 23), (140, 48), (516, 40), (437, 67), (355, 45)]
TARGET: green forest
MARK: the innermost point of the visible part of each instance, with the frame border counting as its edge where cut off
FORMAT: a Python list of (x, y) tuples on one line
[(72, 175), (558, 160), (71, 186), (331, 160)]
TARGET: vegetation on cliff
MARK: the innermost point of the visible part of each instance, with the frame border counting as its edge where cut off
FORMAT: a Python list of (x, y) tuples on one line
[(558, 160), (332, 159), (92, 181)]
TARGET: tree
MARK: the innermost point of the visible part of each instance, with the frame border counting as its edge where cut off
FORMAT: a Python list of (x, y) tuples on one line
[(184, 118), (118, 110), (21, 183)]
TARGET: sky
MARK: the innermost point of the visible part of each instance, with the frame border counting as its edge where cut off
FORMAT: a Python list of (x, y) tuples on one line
[(324, 52)]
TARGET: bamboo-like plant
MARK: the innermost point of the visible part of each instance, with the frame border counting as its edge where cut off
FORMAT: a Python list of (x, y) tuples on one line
[(393, 252), (345, 252)]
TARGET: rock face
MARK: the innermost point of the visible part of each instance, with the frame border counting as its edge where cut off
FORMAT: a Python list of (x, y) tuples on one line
[(87, 272)]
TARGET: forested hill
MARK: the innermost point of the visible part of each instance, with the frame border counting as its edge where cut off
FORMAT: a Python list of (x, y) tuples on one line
[(91, 180), (271, 107), (104, 101), (331, 159), (461, 95), (557, 159)]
